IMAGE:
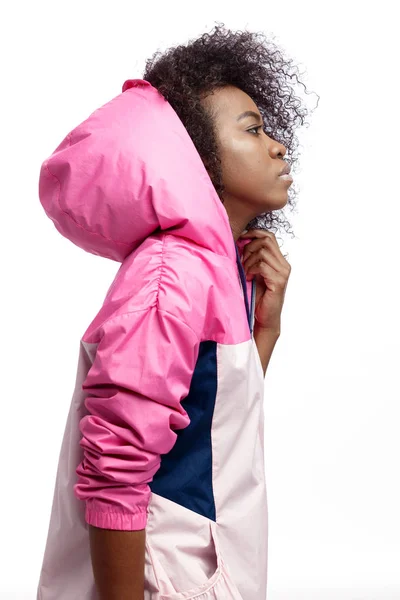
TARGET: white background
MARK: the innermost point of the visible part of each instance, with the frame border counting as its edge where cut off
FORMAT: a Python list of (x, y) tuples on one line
[(332, 393)]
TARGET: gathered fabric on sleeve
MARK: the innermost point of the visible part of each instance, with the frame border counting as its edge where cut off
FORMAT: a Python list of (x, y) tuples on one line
[(141, 372)]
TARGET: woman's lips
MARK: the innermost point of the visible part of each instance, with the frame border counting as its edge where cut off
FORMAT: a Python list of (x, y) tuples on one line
[(286, 169), (286, 177)]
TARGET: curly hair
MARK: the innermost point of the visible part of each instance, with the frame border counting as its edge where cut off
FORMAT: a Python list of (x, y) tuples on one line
[(187, 73)]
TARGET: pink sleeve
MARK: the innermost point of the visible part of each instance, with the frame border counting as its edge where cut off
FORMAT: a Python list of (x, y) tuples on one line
[(142, 370)]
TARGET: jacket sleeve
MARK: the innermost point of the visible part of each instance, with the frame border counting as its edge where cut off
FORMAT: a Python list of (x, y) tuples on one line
[(141, 371)]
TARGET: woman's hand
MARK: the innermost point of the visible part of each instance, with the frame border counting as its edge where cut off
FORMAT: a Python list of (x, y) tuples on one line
[(263, 259)]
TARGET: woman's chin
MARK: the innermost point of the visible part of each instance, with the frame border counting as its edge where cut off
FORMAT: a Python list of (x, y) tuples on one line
[(283, 203), (275, 203)]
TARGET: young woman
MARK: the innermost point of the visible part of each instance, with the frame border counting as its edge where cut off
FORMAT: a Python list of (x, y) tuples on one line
[(160, 491)]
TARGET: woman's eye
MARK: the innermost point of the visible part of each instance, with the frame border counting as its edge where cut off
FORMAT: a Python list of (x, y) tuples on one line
[(255, 129)]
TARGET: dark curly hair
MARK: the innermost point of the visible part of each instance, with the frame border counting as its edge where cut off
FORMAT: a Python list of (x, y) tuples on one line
[(186, 73)]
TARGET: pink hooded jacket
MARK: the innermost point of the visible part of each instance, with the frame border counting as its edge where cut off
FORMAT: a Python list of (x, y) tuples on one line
[(166, 427)]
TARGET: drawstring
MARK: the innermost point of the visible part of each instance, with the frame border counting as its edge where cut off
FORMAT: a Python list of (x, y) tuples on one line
[(244, 287)]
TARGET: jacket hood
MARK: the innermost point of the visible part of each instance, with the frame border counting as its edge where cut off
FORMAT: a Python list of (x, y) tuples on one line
[(129, 170)]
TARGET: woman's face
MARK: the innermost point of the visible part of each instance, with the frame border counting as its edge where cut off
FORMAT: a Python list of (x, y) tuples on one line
[(251, 161)]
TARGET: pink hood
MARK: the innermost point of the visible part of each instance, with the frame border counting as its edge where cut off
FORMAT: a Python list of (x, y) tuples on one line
[(109, 183)]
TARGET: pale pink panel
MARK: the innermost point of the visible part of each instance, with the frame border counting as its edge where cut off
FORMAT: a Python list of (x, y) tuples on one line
[(183, 556), (239, 468)]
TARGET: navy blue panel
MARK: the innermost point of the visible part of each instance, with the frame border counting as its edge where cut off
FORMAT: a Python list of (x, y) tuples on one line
[(185, 473)]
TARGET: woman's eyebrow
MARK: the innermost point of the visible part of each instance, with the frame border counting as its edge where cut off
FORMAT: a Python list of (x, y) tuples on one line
[(249, 113)]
